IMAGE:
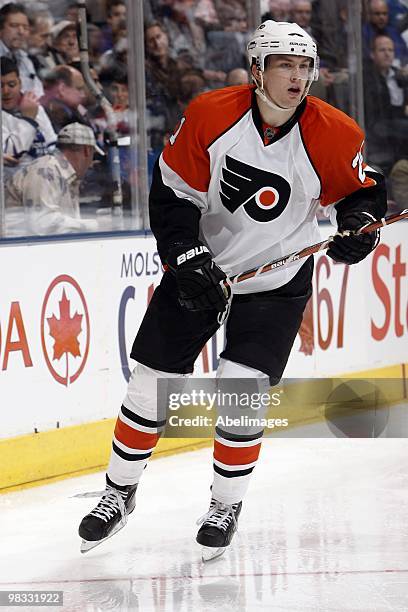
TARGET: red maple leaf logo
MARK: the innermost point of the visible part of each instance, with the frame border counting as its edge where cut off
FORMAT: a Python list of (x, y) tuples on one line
[(65, 330)]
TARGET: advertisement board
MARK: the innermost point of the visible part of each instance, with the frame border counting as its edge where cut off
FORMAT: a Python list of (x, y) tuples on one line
[(69, 312)]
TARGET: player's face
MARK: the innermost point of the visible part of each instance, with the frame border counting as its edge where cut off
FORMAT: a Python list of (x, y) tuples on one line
[(285, 78)]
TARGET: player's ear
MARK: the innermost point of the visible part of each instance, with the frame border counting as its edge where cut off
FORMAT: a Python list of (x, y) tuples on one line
[(256, 73)]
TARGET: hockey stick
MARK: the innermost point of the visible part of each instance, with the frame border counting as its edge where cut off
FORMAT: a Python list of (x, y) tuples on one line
[(314, 248)]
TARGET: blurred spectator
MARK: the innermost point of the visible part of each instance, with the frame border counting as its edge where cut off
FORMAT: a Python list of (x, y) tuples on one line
[(65, 43), (27, 130), (279, 10), (399, 184), (398, 12), (237, 76), (226, 48), (55, 7), (206, 14), (39, 41), (302, 14), (91, 106), (192, 83), (329, 25), (64, 98), (184, 60), (119, 93), (115, 84), (233, 17), (378, 24), (48, 188), (183, 31), (116, 14), (185, 63), (148, 15), (14, 34), (94, 44), (72, 12), (385, 97), (223, 55), (40, 31), (97, 11), (162, 84), (117, 56)]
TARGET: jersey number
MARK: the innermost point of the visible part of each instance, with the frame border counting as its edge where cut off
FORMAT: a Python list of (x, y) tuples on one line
[(358, 161), (173, 137)]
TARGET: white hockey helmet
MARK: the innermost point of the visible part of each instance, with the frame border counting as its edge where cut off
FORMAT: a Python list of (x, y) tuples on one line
[(282, 38)]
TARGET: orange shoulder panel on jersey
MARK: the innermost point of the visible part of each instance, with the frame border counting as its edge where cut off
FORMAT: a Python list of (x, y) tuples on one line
[(205, 119), (334, 143)]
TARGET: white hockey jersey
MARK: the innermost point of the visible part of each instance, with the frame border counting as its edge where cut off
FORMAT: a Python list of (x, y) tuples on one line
[(26, 138), (258, 187)]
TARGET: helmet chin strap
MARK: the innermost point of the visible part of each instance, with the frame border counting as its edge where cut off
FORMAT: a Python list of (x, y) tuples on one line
[(260, 91)]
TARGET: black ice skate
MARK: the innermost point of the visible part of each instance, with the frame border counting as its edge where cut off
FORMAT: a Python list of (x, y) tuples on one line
[(218, 526), (108, 517)]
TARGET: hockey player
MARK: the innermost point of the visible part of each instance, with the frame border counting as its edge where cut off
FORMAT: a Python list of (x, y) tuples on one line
[(238, 184)]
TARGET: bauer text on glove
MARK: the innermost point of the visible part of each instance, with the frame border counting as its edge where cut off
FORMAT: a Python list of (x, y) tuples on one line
[(201, 283)]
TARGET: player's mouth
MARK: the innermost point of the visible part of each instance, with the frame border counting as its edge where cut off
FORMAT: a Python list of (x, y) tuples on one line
[(294, 91)]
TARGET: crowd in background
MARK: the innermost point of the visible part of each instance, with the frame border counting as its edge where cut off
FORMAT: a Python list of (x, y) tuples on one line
[(190, 46)]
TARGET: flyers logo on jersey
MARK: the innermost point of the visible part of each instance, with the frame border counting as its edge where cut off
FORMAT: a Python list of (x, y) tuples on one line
[(264, 195)]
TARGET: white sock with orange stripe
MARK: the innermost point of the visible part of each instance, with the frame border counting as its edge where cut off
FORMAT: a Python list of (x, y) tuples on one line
[(138, 427), (236, 454)]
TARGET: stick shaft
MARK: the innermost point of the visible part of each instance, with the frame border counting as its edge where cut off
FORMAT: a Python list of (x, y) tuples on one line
[(313, 248)]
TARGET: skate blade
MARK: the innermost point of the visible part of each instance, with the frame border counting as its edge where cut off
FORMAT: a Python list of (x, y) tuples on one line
[(87, 545), (208, 553)]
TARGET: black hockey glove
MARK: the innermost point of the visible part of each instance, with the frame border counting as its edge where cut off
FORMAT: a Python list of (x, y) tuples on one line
[(351, 249), (201, 283)]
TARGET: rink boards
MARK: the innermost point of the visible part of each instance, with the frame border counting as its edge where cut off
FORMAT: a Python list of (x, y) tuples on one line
[(69, 312)]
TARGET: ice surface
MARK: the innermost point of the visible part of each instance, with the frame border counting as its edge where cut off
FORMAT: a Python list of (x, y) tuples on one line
[(324, 528)]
